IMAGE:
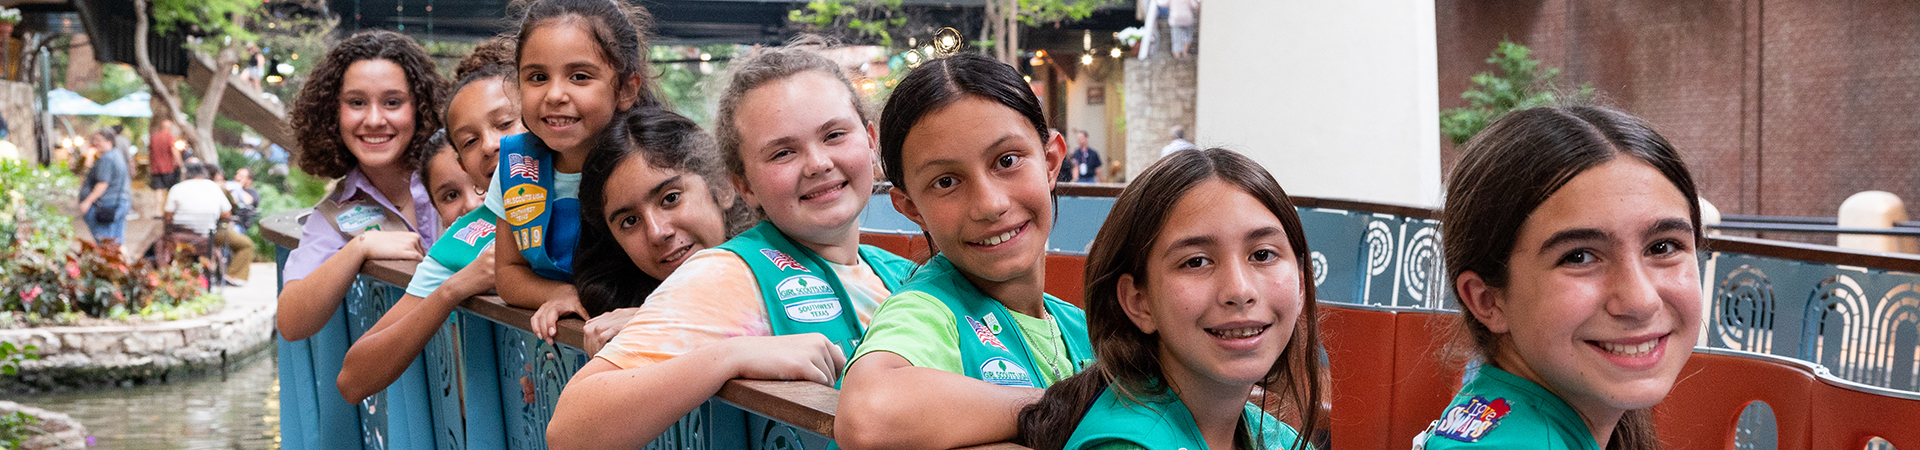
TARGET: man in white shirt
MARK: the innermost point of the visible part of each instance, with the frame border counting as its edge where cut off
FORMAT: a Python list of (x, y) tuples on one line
[(197, 205), (1179, 142)]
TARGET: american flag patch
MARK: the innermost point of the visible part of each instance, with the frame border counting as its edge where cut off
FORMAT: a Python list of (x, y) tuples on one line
[(523, 166), (986, 336), (783, 261), (474, 231)]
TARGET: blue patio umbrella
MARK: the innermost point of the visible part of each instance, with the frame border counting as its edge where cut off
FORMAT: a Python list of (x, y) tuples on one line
[(136, 104), (69, 103)]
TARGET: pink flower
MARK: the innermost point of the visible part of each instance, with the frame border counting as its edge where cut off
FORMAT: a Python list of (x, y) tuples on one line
[(73, 270), (28, 296)]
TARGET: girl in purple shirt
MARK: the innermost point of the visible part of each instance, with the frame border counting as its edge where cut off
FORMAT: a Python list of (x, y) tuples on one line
[(364, 117)]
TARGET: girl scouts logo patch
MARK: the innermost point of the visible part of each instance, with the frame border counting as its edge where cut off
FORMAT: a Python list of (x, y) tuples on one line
[(986, 335), (783, 261), (522, 166), (1004, 372), (1470, 421), (358, 217), (819, 304)]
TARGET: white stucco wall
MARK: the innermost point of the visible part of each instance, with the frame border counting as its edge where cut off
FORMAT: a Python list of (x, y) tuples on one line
[(1337, 99)]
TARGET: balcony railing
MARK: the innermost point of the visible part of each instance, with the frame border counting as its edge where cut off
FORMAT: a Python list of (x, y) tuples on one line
[(1806, 346)]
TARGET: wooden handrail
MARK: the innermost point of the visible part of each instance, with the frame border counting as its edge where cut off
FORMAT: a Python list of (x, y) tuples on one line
[(1814, 253)]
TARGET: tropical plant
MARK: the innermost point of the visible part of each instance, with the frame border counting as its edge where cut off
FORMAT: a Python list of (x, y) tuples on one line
[(49, 275), (1522, 83), (9, 15)]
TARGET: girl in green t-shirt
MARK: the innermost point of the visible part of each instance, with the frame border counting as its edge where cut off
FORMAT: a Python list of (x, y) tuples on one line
[(1198, 297), (1571, 237), (971, 338)]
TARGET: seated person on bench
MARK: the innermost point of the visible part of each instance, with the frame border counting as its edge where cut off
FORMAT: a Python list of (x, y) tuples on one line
[(197, 205)]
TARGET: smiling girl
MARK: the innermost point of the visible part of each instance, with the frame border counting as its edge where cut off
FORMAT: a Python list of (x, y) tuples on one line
[(458, 267), (1571, 243), (971, 338), (1197, 294), (363, 117), (785, 300), (649, 201), (581, 63)]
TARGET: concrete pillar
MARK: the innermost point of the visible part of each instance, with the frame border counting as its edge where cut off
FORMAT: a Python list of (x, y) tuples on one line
[(1160, 95), (1337, 99), (1709, 216), (1874, 209)]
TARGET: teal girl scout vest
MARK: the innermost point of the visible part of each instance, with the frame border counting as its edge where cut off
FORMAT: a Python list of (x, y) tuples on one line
[(802, 293), (1165, 424), (998, 352), (526, 181), (464, 239), (1501, 410)]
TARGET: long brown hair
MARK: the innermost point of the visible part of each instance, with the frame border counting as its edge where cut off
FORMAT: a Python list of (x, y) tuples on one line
[(1129, 358), (1512, 167)]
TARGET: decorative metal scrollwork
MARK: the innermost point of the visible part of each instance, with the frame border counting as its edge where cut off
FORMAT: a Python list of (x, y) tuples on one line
[(1743, 311), (1319, 269), (1419, 269)]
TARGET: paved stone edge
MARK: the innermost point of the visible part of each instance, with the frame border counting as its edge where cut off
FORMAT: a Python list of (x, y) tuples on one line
[(86, 357)]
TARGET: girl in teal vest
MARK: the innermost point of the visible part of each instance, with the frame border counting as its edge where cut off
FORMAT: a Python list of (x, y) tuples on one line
[(365, 120), (581, 63), (649, 201), (972, 338), (1198, 297), (785, 300), (461, 264), (1571, 238)]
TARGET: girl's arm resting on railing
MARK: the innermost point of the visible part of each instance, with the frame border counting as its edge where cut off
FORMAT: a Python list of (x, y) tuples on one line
[(519, 286), (306, 303), (612, 408), (886, 402), (383, 353)]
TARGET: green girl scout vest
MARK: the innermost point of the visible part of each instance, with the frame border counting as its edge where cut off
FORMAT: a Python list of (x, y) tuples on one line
[(802, 293), (1165, 424), (356, 215), (998, 352), (1501, 410), (545, 228), (463, 241)]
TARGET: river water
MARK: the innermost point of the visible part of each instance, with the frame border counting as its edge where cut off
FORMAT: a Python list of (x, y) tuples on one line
[(236, 410)]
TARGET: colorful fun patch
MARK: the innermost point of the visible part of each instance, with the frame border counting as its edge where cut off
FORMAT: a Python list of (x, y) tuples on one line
[(986, 335), (1470, 421), (359, 217), (783, 261)]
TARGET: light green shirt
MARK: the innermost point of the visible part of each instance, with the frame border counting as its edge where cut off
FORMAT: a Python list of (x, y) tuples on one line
[(923, 330)]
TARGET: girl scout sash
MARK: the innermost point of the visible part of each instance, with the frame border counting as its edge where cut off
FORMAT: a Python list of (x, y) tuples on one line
[(998, 352), (1166, 423), (463, 241), (536, 219), (802, 293)]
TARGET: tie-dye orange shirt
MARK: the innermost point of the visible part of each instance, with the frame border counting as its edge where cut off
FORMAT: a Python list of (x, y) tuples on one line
[(714, 296)]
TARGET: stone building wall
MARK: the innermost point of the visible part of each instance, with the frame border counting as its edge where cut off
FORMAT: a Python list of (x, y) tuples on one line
[(1160, 93)]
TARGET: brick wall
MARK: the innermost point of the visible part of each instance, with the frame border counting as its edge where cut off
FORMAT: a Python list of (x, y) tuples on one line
[(1781, 107)]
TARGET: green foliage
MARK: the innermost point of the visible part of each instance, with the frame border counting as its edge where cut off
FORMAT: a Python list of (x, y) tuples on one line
[(49, 274), (16, 427), (297, 41), (1034, 13), (866, 19), (210, 18), (1522, 83), (11, 356), (686, 85)]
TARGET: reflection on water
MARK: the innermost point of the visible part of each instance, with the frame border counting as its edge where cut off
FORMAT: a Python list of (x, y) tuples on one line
[(240, 410)]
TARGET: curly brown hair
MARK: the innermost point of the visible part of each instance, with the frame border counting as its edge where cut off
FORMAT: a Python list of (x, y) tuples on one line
[(316, 111)]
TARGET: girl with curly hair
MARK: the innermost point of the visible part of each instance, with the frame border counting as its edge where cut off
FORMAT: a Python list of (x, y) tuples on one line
[(364, 118)]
